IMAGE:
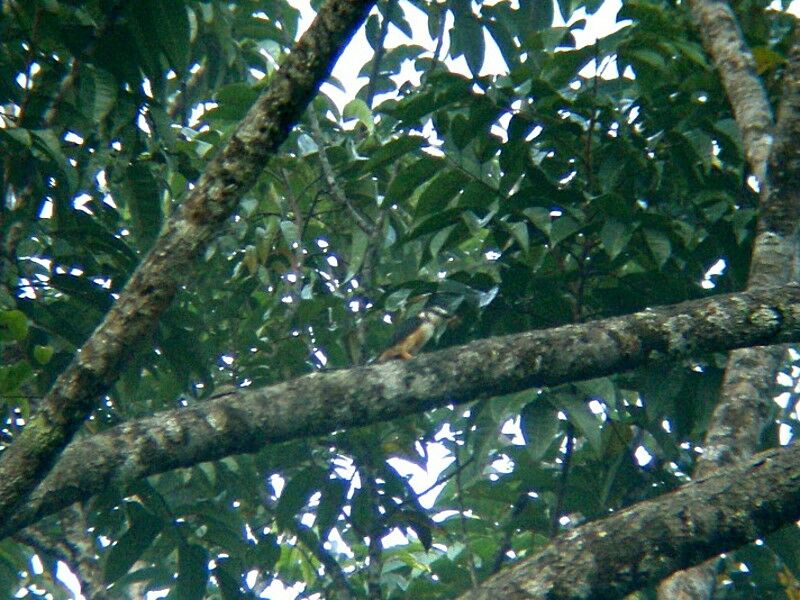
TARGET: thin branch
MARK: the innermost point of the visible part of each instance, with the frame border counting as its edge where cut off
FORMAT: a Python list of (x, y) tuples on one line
[(66, 86), (379, 52), (332, 567), (376, 533), (439, 41), (505, 545), (561, 491), (473, 577), (330, 178), (71, 544), (23, 109), (319, 403)]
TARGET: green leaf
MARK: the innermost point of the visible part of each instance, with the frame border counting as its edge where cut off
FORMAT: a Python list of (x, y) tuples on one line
[(334, 497), (42, 354), (97, 93), (13, 325), (461, 131), (615, 236), (409, 179), (46, 141), (392, 151), (233, 101), (192, 572), (434, 223), (412, 108), (18, 135), (659, 245), (144, 200), (290, 233), (540, 217), (539, 424), (563, 227), (439, 192), (266, 552), (372, 28), (144, 527), (13, 376), (142, 29), (540, 15), (583, 419), (228, 582), (467, 39), (519, 231), (440, 238), (171, 22), (358, 109), (358, 250), (361, 511), (786, 543), (296, 493)]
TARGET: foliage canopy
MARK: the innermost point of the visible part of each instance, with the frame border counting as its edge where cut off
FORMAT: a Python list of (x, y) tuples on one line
[(570, 184)]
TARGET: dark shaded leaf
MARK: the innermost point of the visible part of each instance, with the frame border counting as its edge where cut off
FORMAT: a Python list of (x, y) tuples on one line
[(539, 425), (143, 529), (192, 572)]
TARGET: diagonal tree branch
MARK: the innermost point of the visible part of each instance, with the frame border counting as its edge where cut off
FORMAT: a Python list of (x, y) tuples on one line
[(745, 398), (154, 283), (244, 420), (745, 404), (638, 546), (723, 40)]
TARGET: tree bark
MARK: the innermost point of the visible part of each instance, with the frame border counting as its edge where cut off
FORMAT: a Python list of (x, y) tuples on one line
[(745, 405), (724, 42), (640, 545), (244, 420)]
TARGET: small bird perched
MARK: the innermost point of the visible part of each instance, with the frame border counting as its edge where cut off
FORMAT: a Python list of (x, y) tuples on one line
[(411, 335)]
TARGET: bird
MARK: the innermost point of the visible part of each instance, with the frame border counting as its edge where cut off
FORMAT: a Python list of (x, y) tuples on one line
[(412, 334)]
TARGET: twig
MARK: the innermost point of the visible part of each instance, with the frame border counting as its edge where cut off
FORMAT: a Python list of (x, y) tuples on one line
[(562, 482), (439, 40), (37, 18), (516, 509), (330, 178), (67, 83), (375, 549), (379, 52), (463, 521)]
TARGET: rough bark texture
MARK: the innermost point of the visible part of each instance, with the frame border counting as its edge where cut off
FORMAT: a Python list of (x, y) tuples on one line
[(725, 44), (745, 403), (244, 420), (70, 542), (746, 399), (154, 283), (641, 544)]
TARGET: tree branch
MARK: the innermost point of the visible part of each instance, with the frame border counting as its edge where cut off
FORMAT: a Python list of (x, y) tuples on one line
[(745, 403), (154, 283), (725, 43), (330, 178), (638, 546), (245, 420)]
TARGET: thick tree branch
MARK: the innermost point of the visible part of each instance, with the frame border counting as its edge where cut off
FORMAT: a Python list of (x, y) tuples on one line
[(244, 420), (745, 404), (154, 283), (638, 546), (725, 43), (745, 398)]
